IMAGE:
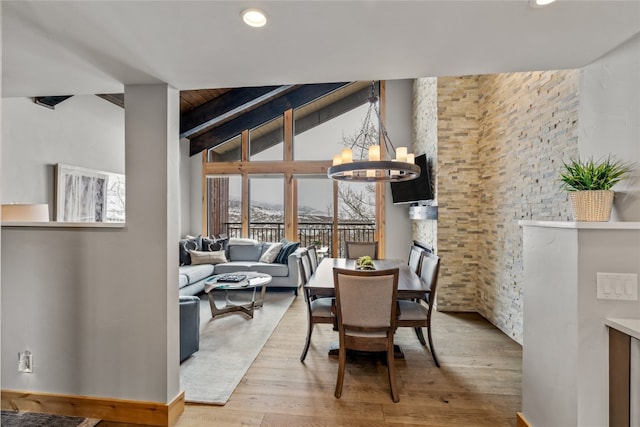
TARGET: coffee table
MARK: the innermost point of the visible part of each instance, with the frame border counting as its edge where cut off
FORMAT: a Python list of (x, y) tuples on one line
[(251, 281)]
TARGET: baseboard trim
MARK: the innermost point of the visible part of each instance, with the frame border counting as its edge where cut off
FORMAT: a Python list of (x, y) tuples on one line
[(521, 421), (116, 410)]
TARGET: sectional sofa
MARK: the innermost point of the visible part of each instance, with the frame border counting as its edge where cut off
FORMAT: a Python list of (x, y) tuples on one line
[(242, 255)]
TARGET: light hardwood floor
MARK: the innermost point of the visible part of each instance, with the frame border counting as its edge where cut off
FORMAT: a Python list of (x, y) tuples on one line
[(478, 383)]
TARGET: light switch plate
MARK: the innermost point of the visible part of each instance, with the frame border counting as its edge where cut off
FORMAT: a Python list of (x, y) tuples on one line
[(617, 286)]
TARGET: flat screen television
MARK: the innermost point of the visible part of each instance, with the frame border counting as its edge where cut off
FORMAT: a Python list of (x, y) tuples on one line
[(415, 190)]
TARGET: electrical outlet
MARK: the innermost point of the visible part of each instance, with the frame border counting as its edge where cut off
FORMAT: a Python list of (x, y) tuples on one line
[(25, 362)]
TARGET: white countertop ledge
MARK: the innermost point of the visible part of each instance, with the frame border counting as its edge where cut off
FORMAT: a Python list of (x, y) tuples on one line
[(55, 224), (613, 225), (630, 327)]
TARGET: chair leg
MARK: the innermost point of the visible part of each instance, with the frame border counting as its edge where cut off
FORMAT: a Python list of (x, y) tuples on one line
[(433, 351), (392, 374), (420, 336), (342, 360), (306, 344)]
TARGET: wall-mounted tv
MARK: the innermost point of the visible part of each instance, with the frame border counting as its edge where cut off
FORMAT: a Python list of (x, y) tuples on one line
[(415, 190)]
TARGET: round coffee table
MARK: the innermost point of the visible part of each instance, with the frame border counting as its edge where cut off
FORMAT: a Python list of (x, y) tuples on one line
[(242, 280)]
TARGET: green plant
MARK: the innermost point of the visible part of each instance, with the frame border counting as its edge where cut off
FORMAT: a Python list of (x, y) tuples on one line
[(365, 262), (593, 175)]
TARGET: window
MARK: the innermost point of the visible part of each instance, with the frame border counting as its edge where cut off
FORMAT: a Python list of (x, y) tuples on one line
[(280, 189)]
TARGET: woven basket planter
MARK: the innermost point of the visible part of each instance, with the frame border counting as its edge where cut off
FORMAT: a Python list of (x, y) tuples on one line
[(593, 205)]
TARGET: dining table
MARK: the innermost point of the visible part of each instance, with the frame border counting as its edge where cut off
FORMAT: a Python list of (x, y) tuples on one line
[(321, 284), (409, 284)]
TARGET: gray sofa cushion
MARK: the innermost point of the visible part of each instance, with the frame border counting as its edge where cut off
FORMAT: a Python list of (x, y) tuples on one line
[(276, 270), (233, 266), (193, 273), (245, 252)]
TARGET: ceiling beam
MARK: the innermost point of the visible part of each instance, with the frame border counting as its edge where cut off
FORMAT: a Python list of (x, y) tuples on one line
[(262, 114), (305, 123), (50, 101), (114, 98), (225, 107)]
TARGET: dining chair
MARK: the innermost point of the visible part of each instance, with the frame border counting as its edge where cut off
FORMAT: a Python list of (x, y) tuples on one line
[(415, 258), (354, 250), (366, 315), (313, 257), (417, 313), (319, 310)]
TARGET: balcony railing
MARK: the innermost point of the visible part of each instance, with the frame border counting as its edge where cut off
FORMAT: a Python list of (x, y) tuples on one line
[(309, 233)]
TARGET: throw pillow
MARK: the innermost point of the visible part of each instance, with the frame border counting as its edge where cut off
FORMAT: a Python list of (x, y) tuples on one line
[(207, 257), (194, 243), (214, 244), (287, 249), (242, 241), (271, 253)]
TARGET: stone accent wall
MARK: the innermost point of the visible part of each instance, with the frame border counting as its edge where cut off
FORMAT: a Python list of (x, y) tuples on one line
[(425, 141), (458, 193), (501, 142), (529, 124)]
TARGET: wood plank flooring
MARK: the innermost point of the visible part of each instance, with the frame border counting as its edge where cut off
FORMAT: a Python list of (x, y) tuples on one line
[(478, 383)]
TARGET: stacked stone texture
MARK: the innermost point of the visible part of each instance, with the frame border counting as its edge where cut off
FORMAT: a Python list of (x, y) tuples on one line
[(501, 142)]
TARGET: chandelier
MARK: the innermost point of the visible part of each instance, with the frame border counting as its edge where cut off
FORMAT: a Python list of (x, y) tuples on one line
[(373, 168)]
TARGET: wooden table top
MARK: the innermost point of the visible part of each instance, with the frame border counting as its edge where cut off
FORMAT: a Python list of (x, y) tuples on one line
[(409, 284)]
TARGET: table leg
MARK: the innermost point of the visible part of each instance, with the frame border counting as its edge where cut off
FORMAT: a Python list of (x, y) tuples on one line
[(231, 307), (259, 303)]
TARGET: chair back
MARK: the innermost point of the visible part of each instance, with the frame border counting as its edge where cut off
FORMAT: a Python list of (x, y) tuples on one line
[(423, 246), (354, 250), (301, 270), (306, 265), (415, 258), (313, 258), (366, 300), (429, 272)]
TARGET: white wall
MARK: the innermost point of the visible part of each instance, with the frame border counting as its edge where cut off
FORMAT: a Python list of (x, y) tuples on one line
[(609, 120), (565, 351), (399, 96), (82, 131), (97, 307), (184, 205), (195, 195)]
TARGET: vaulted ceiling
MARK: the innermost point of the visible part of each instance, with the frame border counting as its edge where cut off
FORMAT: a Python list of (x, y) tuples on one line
[(88, 47), (56, 49)]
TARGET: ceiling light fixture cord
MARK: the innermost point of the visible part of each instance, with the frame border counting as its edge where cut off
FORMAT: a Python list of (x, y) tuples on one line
[(373, 168), (367, 134)]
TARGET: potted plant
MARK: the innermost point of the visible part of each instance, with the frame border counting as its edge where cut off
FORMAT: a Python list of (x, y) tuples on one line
[(589, 185)]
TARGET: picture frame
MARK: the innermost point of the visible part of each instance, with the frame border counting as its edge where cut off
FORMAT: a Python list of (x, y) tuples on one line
[(88, 195)]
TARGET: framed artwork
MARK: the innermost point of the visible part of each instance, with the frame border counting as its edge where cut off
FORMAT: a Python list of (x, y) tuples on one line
[(88, 195)]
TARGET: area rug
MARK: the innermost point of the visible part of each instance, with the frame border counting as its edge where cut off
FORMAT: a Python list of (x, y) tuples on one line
[(34, 419), (228, 346)]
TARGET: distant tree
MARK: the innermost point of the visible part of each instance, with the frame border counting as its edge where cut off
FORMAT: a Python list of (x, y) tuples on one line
[(358, 201)]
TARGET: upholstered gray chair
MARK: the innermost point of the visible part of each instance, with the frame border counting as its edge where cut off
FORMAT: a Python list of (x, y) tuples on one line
[(415, 258), (319, 310), (366, 314), (313, 258), (417, 314), (354, 250), (189, 326)]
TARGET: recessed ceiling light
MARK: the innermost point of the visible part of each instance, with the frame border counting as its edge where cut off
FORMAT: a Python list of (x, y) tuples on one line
[(540, 3), (254, 17)]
